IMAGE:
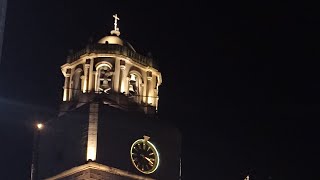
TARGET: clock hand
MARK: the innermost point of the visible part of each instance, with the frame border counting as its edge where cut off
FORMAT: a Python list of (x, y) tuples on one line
[(148, 159)]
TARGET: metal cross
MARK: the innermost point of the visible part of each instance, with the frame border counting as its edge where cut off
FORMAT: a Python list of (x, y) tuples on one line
[(116, 18)]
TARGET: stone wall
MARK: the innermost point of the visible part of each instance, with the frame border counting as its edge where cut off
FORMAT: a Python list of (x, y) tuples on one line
[(93, 174), (96, 171)]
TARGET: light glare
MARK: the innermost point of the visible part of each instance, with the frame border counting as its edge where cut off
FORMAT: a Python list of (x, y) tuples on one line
[(39, 126)]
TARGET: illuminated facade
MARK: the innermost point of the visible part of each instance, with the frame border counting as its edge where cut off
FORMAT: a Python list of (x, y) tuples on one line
[(110, 101), (112, 66)]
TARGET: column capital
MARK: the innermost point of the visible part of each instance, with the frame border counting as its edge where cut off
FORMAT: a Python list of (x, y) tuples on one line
[(122, 67), (67, 73), (149, 75)]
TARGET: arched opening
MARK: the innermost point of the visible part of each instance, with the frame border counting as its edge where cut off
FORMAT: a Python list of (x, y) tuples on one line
[(104, 78), (135, 86), (76, 83)]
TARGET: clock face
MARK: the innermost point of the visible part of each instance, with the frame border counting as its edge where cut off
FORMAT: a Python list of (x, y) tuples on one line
[(144, 156)]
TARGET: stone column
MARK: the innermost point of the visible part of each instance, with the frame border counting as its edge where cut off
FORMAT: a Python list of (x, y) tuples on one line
[(91, 76), (66, 86), (82, 86), (71, 84), (141, 95), (86, 76), (149, 87), (94, 80), (122, 69), (126, 83)]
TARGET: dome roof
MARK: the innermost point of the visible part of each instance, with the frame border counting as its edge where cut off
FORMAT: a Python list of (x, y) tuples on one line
[(115, 40), (111, 40)]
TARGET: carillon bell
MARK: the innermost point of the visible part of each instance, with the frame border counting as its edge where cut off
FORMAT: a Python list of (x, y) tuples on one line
[(131, 88)]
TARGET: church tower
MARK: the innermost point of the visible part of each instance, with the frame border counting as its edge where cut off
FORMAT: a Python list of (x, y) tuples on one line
[(108, 127)]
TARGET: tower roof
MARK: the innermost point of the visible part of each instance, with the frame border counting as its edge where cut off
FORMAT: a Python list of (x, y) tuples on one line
[(114, 37)]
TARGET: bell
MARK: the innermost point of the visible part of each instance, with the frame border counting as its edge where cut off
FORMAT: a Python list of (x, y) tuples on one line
[(131, 88), (104, 86)]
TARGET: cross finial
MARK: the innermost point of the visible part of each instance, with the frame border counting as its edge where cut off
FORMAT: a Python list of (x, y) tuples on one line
[(116, 18), (116, 29)]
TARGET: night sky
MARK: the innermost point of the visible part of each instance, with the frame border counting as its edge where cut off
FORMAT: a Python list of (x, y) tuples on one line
[(240, 79)]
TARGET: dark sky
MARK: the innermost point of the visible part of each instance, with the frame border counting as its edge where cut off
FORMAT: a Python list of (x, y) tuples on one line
[(240, 79)]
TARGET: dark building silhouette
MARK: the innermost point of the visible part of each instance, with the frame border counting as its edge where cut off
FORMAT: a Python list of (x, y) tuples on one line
[(3, 8)]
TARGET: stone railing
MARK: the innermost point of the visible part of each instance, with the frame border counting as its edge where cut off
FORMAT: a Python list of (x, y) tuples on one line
[(113, 49)]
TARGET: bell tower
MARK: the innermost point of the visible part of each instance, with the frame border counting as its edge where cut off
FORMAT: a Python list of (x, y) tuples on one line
[(111, 67), (107, 126)]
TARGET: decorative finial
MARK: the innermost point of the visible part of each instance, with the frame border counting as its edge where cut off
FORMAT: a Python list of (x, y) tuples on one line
[(116, 29)]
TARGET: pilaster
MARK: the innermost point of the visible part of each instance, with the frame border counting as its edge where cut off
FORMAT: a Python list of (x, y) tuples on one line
[(122, 69), (149, 87), (86, 76), (92, 131), (91, 76), (66, 88)]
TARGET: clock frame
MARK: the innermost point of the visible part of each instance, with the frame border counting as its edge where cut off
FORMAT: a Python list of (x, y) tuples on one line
[(144, 156)]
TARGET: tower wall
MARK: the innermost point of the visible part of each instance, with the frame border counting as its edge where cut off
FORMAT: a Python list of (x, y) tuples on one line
[(64, 142), (119, 129)]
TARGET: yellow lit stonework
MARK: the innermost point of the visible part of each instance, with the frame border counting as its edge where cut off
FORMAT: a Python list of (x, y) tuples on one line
[(98, 167), (92, 132), (91, 153), (112, 65)]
